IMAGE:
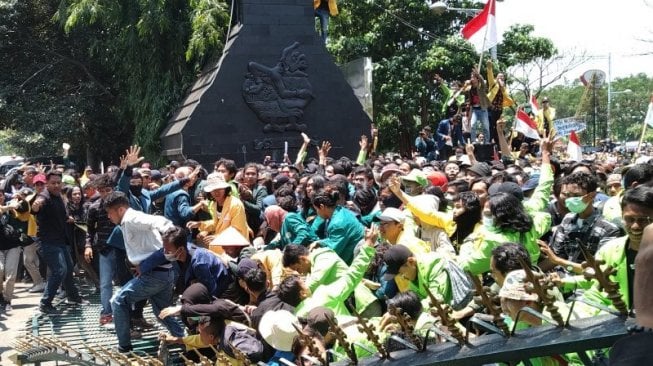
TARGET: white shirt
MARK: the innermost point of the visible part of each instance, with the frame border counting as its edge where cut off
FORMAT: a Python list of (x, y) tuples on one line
[(142, 234)]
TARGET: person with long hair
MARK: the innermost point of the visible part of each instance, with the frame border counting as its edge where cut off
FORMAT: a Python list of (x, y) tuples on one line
[(504, 220), (467, 216)]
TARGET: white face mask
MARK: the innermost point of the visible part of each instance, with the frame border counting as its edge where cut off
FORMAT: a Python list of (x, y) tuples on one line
[(488, 221), (171, 257)]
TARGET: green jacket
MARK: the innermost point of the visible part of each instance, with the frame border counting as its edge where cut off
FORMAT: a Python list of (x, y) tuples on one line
[(327, 268), (431, 271), (333, 295), (460, 98), (614, 254), (541, 196), (342, 233), (294, 230), (476, 251)]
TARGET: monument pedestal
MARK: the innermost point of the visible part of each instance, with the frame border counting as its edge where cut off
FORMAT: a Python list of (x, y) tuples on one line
[(275, 79)]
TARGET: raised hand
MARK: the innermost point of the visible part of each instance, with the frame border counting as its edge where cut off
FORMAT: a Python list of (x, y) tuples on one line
[(395, 185), (323, 151), (132, 155), (193, 175), (306, 139), (363, 142)]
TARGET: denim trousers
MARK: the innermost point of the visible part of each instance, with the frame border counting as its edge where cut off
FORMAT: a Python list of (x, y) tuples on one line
[(60, 271), (157, 286), (480, 115), (324, 22)]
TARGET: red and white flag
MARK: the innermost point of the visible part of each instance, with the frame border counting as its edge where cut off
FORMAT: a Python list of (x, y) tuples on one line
[(481, 31), (534, 106), (574, 150), (525, 125), (649, 114)]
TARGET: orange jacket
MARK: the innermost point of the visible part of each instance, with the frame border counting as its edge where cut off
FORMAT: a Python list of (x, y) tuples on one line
[(333, 6)]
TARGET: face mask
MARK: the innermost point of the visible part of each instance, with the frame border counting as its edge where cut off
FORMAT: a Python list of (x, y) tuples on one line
[(575, 204), (449, 197), (488, 221), (171, 257), (136, 189)]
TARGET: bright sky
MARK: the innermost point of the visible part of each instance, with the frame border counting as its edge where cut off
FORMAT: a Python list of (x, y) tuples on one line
[(597, 26)]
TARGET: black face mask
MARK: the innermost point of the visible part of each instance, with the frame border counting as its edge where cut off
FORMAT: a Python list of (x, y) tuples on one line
[(392, 201), (136, 190)]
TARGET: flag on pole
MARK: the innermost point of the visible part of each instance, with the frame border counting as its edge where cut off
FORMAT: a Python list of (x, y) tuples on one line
[(525, 125), (574, 150), (534, 106), (649, 114), (481, 31)]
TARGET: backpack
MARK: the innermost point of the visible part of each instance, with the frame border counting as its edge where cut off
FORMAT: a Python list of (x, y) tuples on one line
[(244, 339), (462, 289)]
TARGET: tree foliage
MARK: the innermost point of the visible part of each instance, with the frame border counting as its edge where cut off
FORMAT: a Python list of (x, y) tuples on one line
[(627, 109), (98, 74), (408, 45)]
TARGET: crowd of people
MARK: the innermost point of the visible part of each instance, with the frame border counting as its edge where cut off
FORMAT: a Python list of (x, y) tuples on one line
[(260, 256)]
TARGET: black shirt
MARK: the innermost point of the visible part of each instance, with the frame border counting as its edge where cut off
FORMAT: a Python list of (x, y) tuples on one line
[(51, 220)]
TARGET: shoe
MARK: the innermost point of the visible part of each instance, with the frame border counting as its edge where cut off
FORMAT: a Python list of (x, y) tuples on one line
[(77, 301), (122, 350), (8, 306), (37, 288), (49, 309), (106, 319), (134, 334), (141, 323)]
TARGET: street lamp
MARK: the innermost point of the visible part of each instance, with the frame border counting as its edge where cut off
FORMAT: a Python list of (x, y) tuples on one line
[(610, 94), (439, 7)]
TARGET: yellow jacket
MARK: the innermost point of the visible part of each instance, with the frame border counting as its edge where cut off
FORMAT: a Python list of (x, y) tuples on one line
[(550, 114), (333, 6), (232, 214), (494, 87)]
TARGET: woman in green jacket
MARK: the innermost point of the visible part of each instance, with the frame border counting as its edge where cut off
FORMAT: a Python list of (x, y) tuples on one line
[(504, 220), (292, 229)]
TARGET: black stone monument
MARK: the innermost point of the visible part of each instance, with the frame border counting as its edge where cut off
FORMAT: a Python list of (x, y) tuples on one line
[(274, 80)]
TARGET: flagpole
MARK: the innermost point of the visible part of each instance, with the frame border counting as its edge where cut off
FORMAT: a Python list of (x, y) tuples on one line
[(641, 138), (487, 27)]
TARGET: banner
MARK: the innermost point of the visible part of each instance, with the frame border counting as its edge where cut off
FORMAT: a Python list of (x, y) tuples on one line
[(564, 126)]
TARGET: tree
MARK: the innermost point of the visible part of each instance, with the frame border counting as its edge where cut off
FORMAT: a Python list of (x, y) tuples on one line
[(408, 45), (152, 49), (50, 92), (533, 62)]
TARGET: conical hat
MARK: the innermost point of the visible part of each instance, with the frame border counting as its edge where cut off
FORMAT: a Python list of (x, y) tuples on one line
[(230, 238)]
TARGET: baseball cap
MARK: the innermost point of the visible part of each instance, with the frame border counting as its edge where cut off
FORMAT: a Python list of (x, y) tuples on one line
[(395, 257), (318, 319), (438, 179), (514, 287), (481, 169), (39, 178), (244, 266), (391, 214), (416, 176), (530, 185), (506, 187)]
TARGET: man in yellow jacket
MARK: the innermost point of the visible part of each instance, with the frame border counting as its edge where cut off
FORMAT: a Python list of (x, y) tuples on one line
[(545, 117), (499, 99), (323, 10)]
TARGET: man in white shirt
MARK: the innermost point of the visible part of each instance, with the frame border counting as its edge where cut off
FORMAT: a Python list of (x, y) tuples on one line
[(142, 233)]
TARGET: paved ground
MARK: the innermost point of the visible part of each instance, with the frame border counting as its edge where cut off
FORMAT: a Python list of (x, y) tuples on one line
[(12, 323), (78, 326)]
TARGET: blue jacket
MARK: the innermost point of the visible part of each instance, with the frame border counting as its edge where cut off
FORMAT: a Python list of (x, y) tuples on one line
[(177, 207), (342, 233), (203, 267), (456, 134), (144, 202)]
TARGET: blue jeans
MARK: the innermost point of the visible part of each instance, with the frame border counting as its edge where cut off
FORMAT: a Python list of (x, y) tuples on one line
[(156, 286), (112, 264), (60, 265), (479, 114), (324, 22)]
